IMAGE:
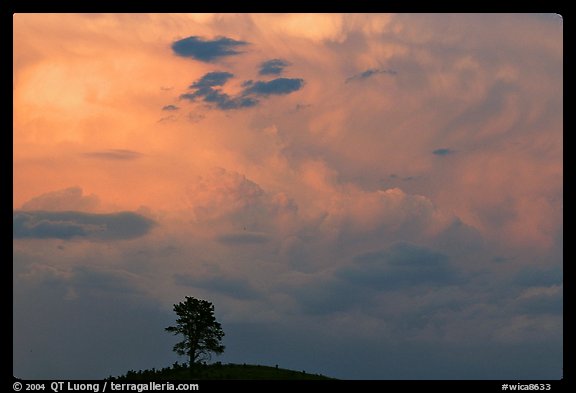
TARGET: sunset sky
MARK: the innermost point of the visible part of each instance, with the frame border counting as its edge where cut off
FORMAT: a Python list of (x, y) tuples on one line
[(366, 196)]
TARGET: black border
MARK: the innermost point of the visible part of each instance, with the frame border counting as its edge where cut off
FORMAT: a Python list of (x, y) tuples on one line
[(8, 8)]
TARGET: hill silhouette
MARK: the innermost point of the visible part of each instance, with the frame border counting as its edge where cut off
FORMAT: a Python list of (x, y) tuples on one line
[(219, 371)]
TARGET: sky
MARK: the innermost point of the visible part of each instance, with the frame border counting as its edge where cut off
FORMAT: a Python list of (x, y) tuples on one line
[(365, 196)]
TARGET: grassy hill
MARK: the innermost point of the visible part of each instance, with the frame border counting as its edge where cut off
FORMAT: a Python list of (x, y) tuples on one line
[(219, 371)]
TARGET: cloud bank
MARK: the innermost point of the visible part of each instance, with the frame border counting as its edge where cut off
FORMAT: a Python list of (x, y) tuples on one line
[(278, 86), (273, 67), (208, 89), (70, 224), (207, 50)]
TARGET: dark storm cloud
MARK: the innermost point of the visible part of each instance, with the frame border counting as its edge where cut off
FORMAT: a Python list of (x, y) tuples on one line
[(72, 224), (443, 151), (207, 94), (207, 50), (399, 266), (273, 67), (216, 78), (240, 238), (170, 108), (369, 73), (114, 154), (222, 100), (276, 86), (237, 103), (233, 287), (209, 89)]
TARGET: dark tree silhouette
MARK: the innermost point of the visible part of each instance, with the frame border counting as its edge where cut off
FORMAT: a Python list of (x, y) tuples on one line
[(202, 333)]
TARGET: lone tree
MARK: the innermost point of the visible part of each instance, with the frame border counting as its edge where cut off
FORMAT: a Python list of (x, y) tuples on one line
[(202, 333)]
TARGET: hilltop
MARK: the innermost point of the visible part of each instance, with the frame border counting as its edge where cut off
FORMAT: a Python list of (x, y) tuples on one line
[(218, 371)]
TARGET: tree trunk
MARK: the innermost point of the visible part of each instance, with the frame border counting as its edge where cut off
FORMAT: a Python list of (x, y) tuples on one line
[(192, 364)]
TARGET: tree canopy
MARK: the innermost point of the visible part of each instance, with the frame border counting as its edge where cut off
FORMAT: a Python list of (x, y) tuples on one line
[(202, 334)]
